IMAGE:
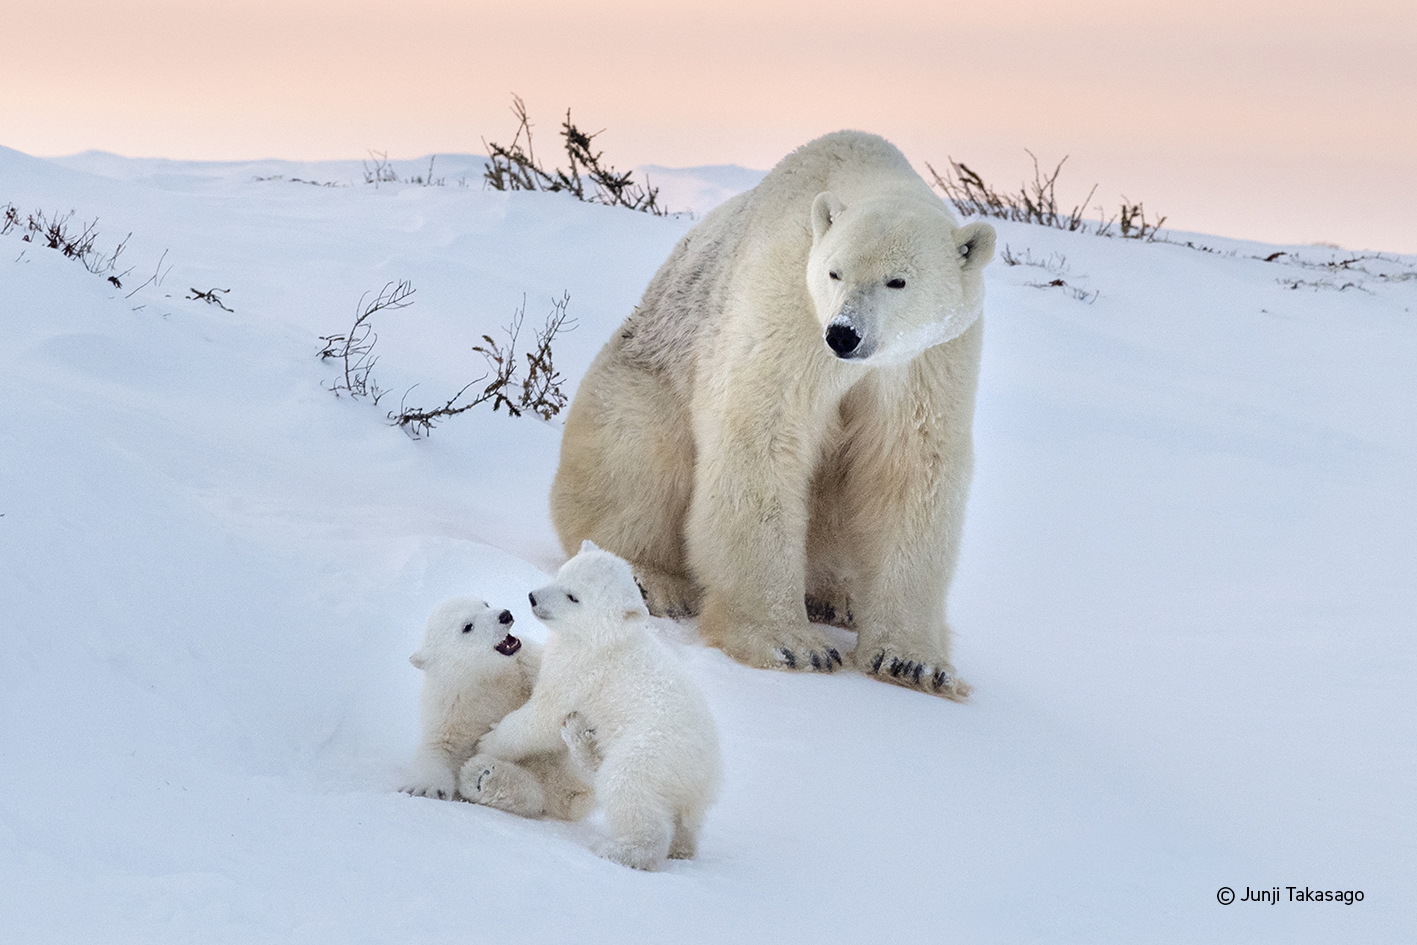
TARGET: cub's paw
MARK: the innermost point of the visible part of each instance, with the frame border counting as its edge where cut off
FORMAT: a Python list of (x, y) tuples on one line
[(430, 781), (637, 856), (668, 595), (936, 677), (581, 744), (504, 785)]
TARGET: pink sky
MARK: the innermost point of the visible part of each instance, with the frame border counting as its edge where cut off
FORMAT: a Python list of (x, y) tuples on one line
[(1290, 122)]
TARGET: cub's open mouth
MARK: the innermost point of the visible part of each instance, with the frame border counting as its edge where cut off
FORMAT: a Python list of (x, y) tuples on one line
[(508, 646)]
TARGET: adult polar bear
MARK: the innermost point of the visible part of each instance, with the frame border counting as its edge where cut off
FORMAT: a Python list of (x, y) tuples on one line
[(782, 426)]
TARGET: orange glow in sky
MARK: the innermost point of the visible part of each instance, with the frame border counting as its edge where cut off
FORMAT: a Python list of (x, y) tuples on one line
[(1289, 122)]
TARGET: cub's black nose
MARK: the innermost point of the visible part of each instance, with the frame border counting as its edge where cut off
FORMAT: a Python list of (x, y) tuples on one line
[(842, 339), (532, 597), (505, 617)]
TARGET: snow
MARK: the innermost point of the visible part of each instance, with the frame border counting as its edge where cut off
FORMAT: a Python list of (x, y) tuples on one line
[(1185, 597)]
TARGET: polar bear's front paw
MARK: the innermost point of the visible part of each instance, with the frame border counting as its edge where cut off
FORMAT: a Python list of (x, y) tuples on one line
[(936, 677), (807, 652), (581, 744), (768, 645)]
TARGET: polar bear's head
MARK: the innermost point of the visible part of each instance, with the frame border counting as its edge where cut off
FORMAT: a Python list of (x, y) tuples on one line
[(593, 596), (466, 631), (892, 276)]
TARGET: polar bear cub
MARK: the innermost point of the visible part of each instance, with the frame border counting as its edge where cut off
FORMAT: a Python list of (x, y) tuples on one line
[(654, 737), (474, 673)]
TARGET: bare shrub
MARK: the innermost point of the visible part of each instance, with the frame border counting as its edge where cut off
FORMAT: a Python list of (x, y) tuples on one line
[(1316, 284), (355, 348), (538, 391), (301, 180), (1341, 272), (1054, 262), (1076, 292), (74, 241), (211, 298), (1036, 202), (159, 274), (1133, 222), (381, 171), (428, 180), (514, 167)]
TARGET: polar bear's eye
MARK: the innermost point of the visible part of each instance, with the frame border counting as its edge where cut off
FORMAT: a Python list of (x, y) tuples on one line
[(573, 598), (467, 628), (835, 275), (896, 284)]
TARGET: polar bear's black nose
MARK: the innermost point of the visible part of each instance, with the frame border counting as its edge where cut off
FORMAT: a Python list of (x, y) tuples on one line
[(532, 597), (842, 339), (505, 617)]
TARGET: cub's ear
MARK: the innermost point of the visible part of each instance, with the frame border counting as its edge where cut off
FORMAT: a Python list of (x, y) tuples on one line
[(419, 659), (589, 545), (975, 244), (825, 209)]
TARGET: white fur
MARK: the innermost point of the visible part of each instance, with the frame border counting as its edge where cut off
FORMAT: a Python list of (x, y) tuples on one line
[(746, 468), (468, 686), (655, 739)]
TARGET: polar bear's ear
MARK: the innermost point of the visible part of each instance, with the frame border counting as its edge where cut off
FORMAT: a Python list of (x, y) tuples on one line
[(825, 209), (589, 545), (419, 659), (975, 244)]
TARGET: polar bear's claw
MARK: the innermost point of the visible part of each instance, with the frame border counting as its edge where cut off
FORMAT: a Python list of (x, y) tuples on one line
[(918, 674), (821, 661)]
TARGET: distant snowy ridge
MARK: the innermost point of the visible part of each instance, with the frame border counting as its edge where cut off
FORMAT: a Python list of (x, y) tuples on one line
[(693, 189)]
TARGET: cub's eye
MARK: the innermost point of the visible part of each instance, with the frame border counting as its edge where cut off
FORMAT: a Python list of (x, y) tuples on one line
[(835, 275), (467, 628), (573, 598), (896, 284)]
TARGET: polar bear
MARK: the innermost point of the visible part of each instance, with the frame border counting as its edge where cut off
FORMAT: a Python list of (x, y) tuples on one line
[(474, 673), (605, 678), (780, 431)]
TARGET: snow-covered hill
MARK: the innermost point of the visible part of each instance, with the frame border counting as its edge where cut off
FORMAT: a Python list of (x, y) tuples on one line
[(1186, 597)]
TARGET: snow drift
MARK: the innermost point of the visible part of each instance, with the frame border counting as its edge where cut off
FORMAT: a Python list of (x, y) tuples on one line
[(1185, 596)]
